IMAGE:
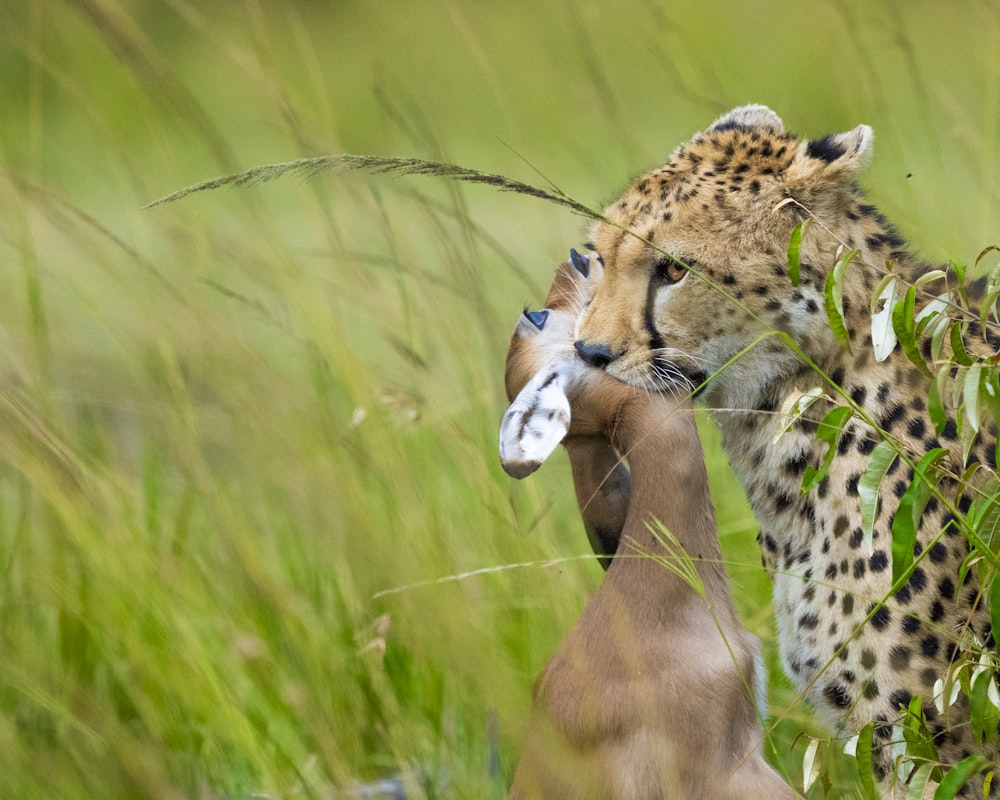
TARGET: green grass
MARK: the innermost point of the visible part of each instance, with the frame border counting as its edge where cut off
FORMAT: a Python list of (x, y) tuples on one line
[(228, 423)]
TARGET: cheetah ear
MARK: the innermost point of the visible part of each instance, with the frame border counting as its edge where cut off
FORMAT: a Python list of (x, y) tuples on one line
[(836, 158), (752, 116)]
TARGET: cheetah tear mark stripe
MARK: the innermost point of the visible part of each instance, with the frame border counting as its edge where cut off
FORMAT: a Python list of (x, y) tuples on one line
[(649, 318), (536, 422)]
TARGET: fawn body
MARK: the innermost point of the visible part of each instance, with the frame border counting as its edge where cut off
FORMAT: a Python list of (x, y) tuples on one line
[(653, 694)]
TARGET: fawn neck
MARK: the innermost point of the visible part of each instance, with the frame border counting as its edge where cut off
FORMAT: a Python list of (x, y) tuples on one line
[(659, 438)]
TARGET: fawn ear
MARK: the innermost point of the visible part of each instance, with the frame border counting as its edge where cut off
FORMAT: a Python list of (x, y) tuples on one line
[(751, 116)]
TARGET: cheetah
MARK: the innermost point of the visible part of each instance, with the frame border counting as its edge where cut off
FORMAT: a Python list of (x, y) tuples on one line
[(696, 284)]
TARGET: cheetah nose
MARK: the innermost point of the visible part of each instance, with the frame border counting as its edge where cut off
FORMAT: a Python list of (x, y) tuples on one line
[(596, 355)]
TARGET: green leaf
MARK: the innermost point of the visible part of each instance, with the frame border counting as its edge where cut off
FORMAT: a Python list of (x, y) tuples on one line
[(794, 248), (985, 508), (935, 405), (917, 784), (955, 778), (883, 336), (983, 714), (863, 754), (995, 604), (938, 335), (794, 406), (990, 395), (919, 742), (958, 346), (905, 327), (833, 294), (810, 769), (879, 463), (933, 317), (911, 506), (988, 307), (970, 391), (930, 275), (990, 248), (829, 431)]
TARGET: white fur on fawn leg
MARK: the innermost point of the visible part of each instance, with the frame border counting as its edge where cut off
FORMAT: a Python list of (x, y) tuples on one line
[(536, 422)]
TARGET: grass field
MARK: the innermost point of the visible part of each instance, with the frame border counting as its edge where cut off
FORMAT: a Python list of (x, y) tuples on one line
[(248, 439)]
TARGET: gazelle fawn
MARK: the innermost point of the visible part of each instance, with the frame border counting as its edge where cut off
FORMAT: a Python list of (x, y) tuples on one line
[(653, 694)]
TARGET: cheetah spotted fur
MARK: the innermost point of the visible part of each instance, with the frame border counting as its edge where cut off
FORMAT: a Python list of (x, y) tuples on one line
[(723, 209)]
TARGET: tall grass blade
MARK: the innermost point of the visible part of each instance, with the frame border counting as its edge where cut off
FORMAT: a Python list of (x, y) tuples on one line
[(308, 168)]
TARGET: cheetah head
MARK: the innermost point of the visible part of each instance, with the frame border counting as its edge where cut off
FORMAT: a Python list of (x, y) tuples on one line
[(695, 257)]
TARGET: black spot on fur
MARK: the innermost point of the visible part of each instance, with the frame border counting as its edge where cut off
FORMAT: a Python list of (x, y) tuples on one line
[(900, 699), (938, 553), (782, 501), (891, 416), (918, 580), (881, 618), (964, 503), (837, 695), (911, 624), (795, 464), (899, 658), (845, 442)]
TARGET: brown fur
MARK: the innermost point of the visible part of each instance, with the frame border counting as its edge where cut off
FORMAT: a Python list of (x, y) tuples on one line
[(651, 695)]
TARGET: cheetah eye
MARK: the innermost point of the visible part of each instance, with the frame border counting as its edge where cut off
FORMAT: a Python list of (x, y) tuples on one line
[(668, 271)]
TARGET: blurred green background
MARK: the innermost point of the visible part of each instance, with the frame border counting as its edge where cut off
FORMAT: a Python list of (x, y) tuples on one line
[(227, 424)]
